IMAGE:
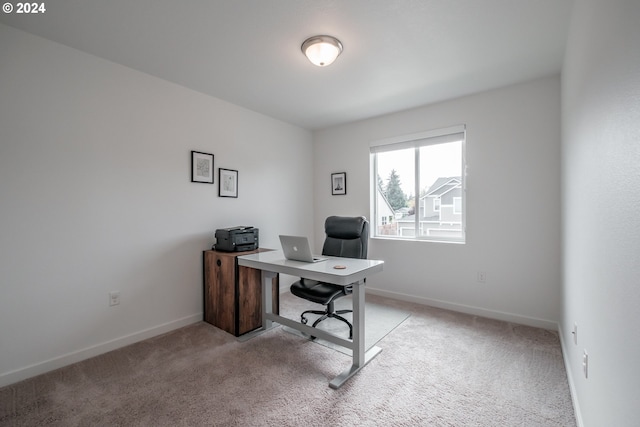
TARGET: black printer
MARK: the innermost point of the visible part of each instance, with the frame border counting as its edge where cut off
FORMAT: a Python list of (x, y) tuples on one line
[(236, 239)]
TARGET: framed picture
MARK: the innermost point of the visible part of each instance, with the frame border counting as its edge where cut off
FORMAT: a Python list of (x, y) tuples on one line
[(227, 183), (338, 183), (201, 167)]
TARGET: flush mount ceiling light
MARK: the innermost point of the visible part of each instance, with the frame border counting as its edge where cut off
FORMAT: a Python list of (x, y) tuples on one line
[(322, 50)]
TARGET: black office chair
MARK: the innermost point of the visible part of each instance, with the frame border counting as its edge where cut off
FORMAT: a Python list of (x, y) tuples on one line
[(346, 237)]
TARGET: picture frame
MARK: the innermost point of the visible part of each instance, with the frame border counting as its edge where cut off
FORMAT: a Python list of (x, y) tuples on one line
[(227, 183), (338, 183), (202, 167)]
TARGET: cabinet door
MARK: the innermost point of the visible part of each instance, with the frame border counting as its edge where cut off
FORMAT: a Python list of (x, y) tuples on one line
[(220, 291), (250, 298)]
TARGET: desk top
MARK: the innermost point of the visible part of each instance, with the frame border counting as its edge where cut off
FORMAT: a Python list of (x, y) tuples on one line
[(356, 269)]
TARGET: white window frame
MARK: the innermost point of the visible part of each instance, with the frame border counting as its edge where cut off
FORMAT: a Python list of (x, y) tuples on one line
[(417, 140)]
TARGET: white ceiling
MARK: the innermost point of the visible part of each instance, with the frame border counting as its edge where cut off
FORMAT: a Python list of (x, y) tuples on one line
[(397, 54)]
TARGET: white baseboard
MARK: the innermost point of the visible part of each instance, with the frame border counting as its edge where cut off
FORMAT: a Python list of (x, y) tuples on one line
[(95, 350), (572, 387), (477, 311)]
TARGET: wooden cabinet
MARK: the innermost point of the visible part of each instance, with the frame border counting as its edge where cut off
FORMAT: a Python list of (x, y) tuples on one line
[(233, 294)]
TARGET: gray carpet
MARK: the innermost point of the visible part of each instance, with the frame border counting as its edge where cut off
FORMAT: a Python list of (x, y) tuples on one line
[(437, 368), (379, 321)]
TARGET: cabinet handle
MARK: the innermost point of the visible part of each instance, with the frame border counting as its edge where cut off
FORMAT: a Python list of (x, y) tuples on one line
[(218, 263)]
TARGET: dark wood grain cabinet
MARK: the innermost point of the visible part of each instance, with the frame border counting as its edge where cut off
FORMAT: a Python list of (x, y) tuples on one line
[(233, 293)]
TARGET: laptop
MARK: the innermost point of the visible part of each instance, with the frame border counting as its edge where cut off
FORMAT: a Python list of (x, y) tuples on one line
[(296, 248)]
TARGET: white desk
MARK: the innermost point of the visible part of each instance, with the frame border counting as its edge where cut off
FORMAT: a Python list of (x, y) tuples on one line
[(273, 262)]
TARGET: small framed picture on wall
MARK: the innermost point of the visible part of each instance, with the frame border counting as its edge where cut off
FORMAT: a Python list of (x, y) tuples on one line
[(201, 167), (227, 183), (338, 183)]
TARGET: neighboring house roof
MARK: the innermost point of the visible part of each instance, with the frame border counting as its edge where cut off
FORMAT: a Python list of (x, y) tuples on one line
[(385, 199), (412, 218), (442, 186)]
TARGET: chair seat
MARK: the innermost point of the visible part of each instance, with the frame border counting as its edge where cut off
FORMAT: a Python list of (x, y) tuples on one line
[(318, 292)]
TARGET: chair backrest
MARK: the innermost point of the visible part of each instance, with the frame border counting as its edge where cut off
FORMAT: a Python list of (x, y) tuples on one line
[(346, 237)]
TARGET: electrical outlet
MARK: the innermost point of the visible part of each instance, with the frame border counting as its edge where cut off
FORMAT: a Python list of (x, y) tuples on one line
[(585, 364), (114, 298), (482, 277), (575, 333)]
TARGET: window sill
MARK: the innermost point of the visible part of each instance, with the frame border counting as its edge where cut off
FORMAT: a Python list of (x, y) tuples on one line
[(411, 239)]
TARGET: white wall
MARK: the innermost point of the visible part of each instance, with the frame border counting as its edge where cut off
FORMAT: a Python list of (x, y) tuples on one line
[(96, 196), (513, 204), (601, 225)]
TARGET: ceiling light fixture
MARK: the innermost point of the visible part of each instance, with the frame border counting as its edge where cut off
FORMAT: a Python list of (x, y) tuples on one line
[(322, 50)]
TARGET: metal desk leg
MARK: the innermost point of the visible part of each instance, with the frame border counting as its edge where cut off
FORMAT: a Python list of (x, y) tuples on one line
[(267, 303), (360, 357), (358, 319)]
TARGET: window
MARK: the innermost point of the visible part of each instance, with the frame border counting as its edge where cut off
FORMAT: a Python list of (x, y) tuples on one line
[(457, 205), (419, 181)]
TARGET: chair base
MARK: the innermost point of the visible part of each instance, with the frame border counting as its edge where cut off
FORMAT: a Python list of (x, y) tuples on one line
[(330, 312)]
